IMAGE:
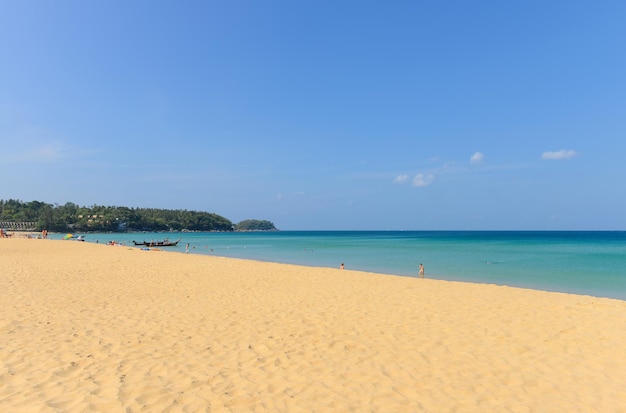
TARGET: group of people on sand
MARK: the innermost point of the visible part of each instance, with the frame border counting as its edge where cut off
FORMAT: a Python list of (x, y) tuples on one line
[(22, 234)]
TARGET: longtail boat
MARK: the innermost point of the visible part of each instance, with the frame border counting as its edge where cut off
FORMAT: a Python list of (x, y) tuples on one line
[(164, 243)]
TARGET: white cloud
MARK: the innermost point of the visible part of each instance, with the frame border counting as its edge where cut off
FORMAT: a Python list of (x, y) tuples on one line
[(558, 155), (400, 179), (477, 158), (422, 180)]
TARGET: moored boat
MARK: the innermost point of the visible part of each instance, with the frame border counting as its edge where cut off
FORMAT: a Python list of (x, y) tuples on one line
[(164, 243)]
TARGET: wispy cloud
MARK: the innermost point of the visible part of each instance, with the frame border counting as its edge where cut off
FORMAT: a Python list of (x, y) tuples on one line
[(47, 152), (441, 167), (400, 179), (477, 158), (422, 180), (35, 146), (559, 155)]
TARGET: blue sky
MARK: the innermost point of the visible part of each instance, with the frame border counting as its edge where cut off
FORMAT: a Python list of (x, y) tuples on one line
[(321, 114)]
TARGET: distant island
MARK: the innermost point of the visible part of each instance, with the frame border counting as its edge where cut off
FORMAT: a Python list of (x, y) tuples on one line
[(70, 217), (255, 225)]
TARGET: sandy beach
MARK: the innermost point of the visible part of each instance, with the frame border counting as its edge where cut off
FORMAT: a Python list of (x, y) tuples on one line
[(95, 328)]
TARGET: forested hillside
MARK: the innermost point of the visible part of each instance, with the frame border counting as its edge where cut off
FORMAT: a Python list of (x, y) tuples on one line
[(73, 218), (255, 225)]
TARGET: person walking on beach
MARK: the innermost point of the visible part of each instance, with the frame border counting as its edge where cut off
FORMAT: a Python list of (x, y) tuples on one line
[(421, 270), (187, 248)]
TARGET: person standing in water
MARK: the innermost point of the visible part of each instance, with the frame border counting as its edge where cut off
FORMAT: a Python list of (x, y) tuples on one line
[(421, 270)]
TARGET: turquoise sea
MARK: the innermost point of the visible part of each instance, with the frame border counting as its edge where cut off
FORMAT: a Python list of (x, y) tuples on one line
[(580, 262)]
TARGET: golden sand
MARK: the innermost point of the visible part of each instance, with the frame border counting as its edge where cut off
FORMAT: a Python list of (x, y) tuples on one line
[(95, 328)]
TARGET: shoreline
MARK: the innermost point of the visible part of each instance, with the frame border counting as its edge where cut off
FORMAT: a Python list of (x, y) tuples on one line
[(94, 327), (559, 263)]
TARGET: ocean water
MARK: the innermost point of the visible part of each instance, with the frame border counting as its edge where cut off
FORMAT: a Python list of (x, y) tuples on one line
[(580, 262)]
